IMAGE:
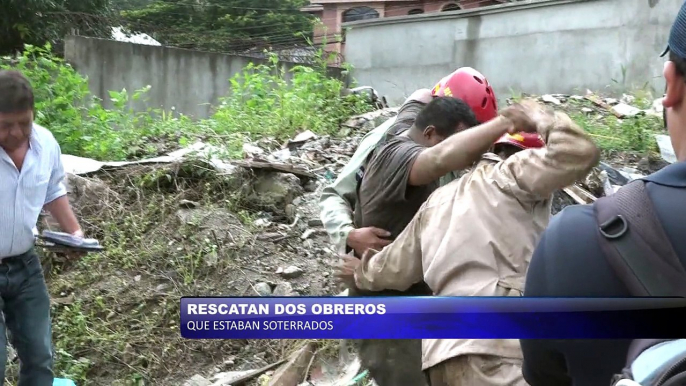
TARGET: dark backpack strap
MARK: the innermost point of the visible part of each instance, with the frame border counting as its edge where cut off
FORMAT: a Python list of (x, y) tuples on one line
[(636, 245), (639, 251)]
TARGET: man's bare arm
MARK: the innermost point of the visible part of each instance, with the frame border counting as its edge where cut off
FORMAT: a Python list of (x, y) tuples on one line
[(461, 150), (62, 213)]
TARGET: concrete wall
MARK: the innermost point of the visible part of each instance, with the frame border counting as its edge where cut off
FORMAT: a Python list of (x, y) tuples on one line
[(189, 81), (536, 46)]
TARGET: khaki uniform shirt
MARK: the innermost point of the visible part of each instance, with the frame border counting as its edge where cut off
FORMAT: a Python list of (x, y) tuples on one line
[(475, 236)]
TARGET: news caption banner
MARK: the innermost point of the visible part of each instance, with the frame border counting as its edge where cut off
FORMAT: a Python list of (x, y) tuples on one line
[(432, 318)]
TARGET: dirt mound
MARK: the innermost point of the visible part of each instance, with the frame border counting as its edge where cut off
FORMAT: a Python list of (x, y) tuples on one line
[(171, 231), (184, 229)]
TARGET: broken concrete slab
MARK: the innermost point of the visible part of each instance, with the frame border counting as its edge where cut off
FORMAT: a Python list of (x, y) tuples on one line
[(263, 289), (371, 120), (275, 166), (227, 378), (292, 272), (664, 142), (251, 151), (241, 377), (551, 99), (275, 190), (284, 289), (628, 99), (198, 380), (301, 138), (626, 110)]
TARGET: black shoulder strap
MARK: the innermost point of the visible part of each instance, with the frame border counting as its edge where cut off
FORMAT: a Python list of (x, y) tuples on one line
[(638, 249), (636, 245)]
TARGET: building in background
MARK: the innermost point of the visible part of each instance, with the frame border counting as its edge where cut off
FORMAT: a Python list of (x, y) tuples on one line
[(333, 13)]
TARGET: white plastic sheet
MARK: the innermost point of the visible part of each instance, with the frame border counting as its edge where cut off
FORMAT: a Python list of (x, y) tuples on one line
[(212, 154)]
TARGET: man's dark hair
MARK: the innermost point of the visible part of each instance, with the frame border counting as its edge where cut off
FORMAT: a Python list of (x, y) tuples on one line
[(16, 93), (446, 114)]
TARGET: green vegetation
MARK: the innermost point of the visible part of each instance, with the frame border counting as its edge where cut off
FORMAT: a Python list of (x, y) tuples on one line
[(633, 135), (636, 135), (223, 25), (39, 21), (212, 25), (262, 103)]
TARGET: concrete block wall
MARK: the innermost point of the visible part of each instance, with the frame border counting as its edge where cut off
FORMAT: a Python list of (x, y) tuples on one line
[(189, 81), (534, 46)]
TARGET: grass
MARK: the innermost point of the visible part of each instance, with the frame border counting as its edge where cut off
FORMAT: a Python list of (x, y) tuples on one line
[(634, 135), (121, 325)]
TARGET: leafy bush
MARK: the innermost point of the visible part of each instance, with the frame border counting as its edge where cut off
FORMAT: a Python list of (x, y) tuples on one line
[(78, 120), (262, 102)]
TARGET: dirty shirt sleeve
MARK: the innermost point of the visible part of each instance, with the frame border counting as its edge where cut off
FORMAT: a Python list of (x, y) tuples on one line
[(337, 200), (56, 188), (392, 164), (535, 174), (398, 266)]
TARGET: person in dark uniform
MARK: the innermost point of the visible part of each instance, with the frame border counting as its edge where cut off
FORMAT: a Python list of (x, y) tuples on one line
[(569, 261)]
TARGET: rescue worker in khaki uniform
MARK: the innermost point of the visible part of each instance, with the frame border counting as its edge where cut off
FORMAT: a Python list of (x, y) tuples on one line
[(475, 237), (338, 200)]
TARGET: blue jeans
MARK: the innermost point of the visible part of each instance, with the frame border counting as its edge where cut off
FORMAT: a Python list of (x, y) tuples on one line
[(25, 302)]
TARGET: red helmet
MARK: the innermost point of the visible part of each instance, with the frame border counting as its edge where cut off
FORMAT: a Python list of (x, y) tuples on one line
[(522, 140), (472, 87)]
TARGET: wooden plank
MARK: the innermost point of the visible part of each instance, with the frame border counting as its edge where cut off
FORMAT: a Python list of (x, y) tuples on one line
[(579, 194)]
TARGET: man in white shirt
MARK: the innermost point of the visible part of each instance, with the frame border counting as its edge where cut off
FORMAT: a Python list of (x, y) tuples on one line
[(31, 176)]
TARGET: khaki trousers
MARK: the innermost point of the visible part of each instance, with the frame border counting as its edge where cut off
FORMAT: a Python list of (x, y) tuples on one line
[(476, 370)]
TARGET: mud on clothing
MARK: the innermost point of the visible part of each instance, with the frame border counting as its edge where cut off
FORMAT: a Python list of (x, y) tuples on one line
[(385, 183), (387, 201)]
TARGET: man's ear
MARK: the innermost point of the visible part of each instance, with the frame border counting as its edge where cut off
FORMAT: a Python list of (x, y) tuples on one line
[(429, 131), (675, 86)]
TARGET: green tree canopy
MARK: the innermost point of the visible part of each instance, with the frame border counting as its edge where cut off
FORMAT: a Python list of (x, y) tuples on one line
[(223, 25), (41, 21)]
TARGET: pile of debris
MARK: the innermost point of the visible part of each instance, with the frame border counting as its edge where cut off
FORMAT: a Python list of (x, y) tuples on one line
[(285, 250), (621, 169)]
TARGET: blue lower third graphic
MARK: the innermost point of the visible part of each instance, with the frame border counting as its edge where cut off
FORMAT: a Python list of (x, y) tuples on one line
[(432, 318)]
